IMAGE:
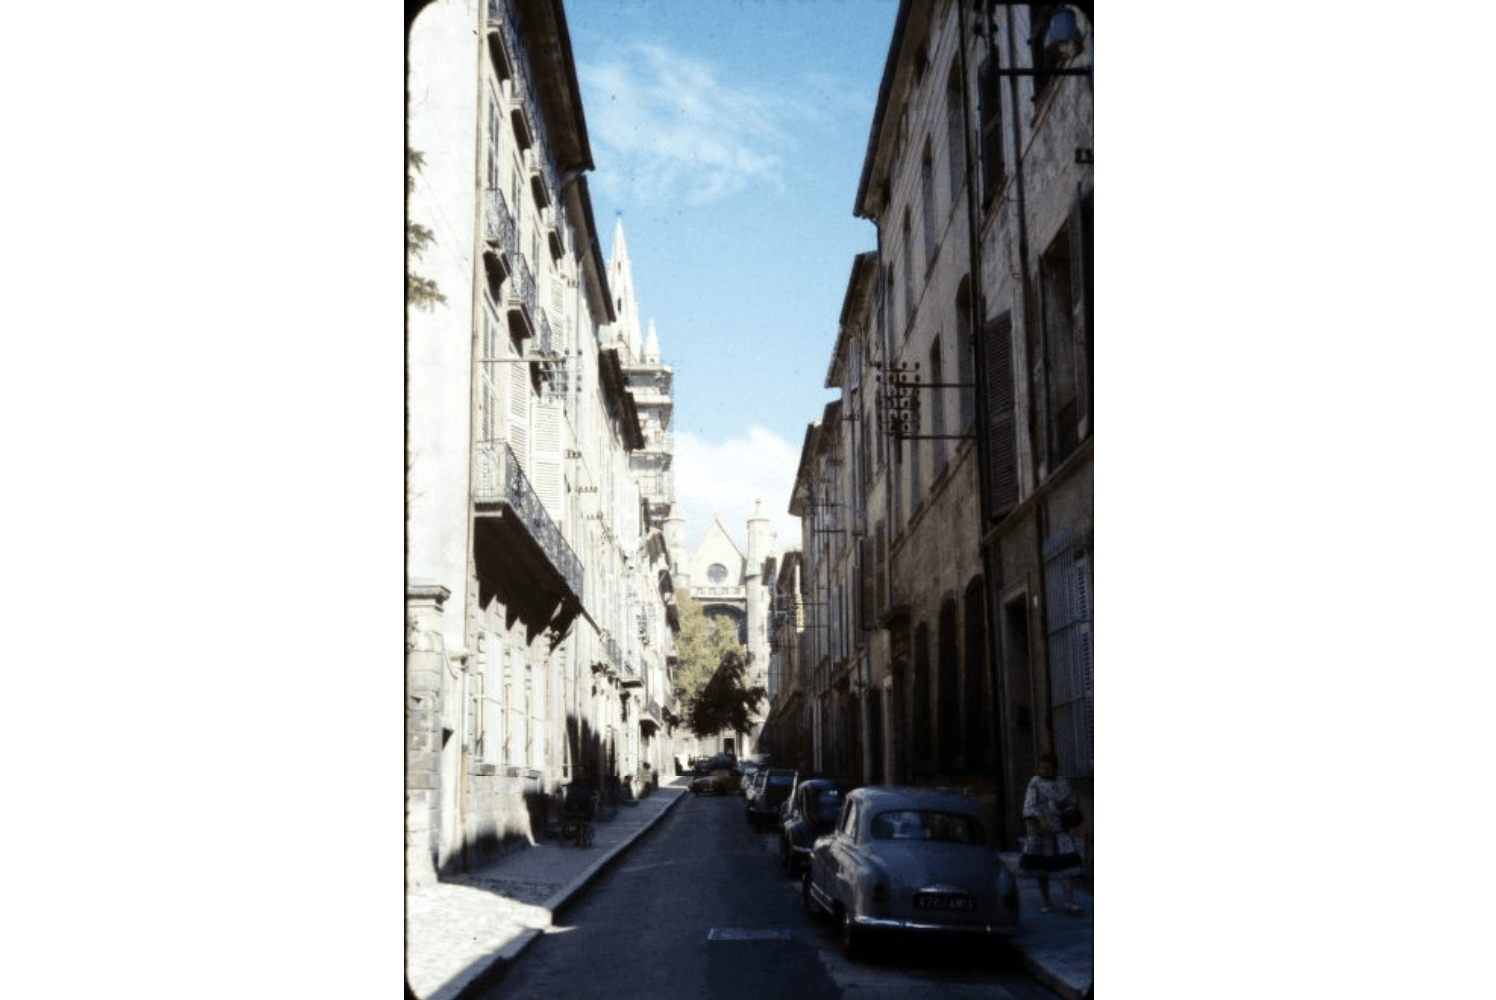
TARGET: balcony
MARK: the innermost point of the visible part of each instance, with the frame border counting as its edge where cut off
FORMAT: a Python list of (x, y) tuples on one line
[(539, 185), (521, 555), (520, 303), (500, 231), (551, 223), (521, 110)]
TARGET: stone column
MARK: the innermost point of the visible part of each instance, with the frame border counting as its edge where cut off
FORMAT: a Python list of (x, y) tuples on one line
[(425, 660)]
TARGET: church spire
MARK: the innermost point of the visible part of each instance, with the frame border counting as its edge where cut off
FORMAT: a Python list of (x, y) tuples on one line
[(652, 346)]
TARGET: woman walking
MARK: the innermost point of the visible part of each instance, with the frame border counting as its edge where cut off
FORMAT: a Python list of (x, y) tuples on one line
[(1048, 850)]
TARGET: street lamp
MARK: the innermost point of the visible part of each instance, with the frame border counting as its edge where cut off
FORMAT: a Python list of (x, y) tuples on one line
[(1063, 40)]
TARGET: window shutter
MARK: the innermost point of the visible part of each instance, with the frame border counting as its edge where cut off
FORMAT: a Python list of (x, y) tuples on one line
[(519, 411), (1002, 457), (546, 440), (1080, 285), (488, 398)]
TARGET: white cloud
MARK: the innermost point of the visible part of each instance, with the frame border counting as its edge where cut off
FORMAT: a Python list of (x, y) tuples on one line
[(667, 127), (725, 478)]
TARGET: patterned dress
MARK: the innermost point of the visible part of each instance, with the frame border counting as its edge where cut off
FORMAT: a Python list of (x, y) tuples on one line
[(1052, 851)]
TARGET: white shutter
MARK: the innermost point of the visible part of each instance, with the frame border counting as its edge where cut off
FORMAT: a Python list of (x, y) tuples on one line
[(488, 399), (519, 411), (546, 459)]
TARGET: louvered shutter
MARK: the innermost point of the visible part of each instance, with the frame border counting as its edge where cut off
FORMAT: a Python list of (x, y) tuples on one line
[(488, 393), (1001, 453), (545, 461), (519, 411), (1080, 296)]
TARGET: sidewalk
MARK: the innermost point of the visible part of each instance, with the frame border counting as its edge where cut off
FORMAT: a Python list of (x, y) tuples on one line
[(459, 930), (1057, 947)]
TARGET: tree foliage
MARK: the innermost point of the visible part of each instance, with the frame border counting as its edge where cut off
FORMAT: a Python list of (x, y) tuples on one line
[(700, 646), (726, 702), (420, 291)]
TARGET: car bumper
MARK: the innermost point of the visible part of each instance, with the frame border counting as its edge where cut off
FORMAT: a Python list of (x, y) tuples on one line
[(923, 927)]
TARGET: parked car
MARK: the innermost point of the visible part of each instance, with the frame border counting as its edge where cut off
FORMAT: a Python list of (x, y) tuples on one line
[(909, 861), (813, 809), (769, 793), (719, 782)]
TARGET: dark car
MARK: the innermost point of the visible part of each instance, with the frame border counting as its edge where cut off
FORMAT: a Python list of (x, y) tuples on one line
[(769, 793), (813, 809)]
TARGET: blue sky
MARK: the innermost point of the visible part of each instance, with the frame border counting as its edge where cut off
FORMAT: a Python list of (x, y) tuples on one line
[(730, 134)]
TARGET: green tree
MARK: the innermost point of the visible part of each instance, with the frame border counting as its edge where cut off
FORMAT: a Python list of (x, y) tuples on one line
[(700, 646), (726, 702), (420, 291)]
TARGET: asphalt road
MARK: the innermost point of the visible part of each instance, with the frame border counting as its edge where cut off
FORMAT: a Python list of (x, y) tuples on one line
[(699, 908)]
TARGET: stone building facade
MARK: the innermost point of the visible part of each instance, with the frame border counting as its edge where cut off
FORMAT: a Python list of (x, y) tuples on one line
[(539, 636), (947, 498), (729, 583)]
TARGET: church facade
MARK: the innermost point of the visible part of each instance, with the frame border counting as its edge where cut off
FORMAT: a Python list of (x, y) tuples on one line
[(728, 583)]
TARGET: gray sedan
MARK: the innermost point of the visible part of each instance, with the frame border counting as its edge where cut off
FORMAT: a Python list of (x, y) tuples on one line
[(909, 861)]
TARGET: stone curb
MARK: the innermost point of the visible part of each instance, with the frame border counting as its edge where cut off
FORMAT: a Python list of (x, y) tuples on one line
[(501, 960), (1054, 981)]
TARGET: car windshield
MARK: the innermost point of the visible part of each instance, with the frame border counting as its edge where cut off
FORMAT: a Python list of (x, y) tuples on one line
[(926, 824), (781, 779)]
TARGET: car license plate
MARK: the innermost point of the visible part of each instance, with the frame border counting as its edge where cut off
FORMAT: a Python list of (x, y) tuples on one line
[(944, 901)]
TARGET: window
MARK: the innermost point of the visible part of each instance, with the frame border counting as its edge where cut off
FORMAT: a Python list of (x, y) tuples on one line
[(965, 358), (927, 203), (989, 99), (1068, 610), (974, 692), (717, 573), (919, 722), (926, 824), (998, 444), (908, 274), (495, 134), (948, 733), (1064, 309), (518, 428), (955, 132), (936, 404)]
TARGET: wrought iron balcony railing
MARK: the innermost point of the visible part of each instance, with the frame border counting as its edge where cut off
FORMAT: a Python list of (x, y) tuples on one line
[(501, 480), (520, 301), (499, 225)]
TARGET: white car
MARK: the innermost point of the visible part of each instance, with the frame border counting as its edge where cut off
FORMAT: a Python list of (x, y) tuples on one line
[(909, 861)]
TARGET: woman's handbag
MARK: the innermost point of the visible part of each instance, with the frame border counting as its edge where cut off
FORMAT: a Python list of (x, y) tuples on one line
[(1071, 817)]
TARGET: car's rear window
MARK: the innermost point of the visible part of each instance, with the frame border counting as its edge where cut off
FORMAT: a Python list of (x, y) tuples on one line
[(925, 824), (828, 805)]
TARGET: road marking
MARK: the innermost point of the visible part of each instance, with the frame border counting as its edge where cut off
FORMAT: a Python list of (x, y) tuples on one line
[(748, 934)]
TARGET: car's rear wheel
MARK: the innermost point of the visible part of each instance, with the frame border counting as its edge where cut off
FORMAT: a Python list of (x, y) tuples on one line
[(853, 938)]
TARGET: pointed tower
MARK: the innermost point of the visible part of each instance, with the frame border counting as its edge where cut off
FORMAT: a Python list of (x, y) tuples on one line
[(625, 331), (652, 346), (756, 599), (651, 384)]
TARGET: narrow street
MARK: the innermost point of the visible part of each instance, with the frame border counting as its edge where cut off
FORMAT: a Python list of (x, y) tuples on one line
[(699, 908)]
